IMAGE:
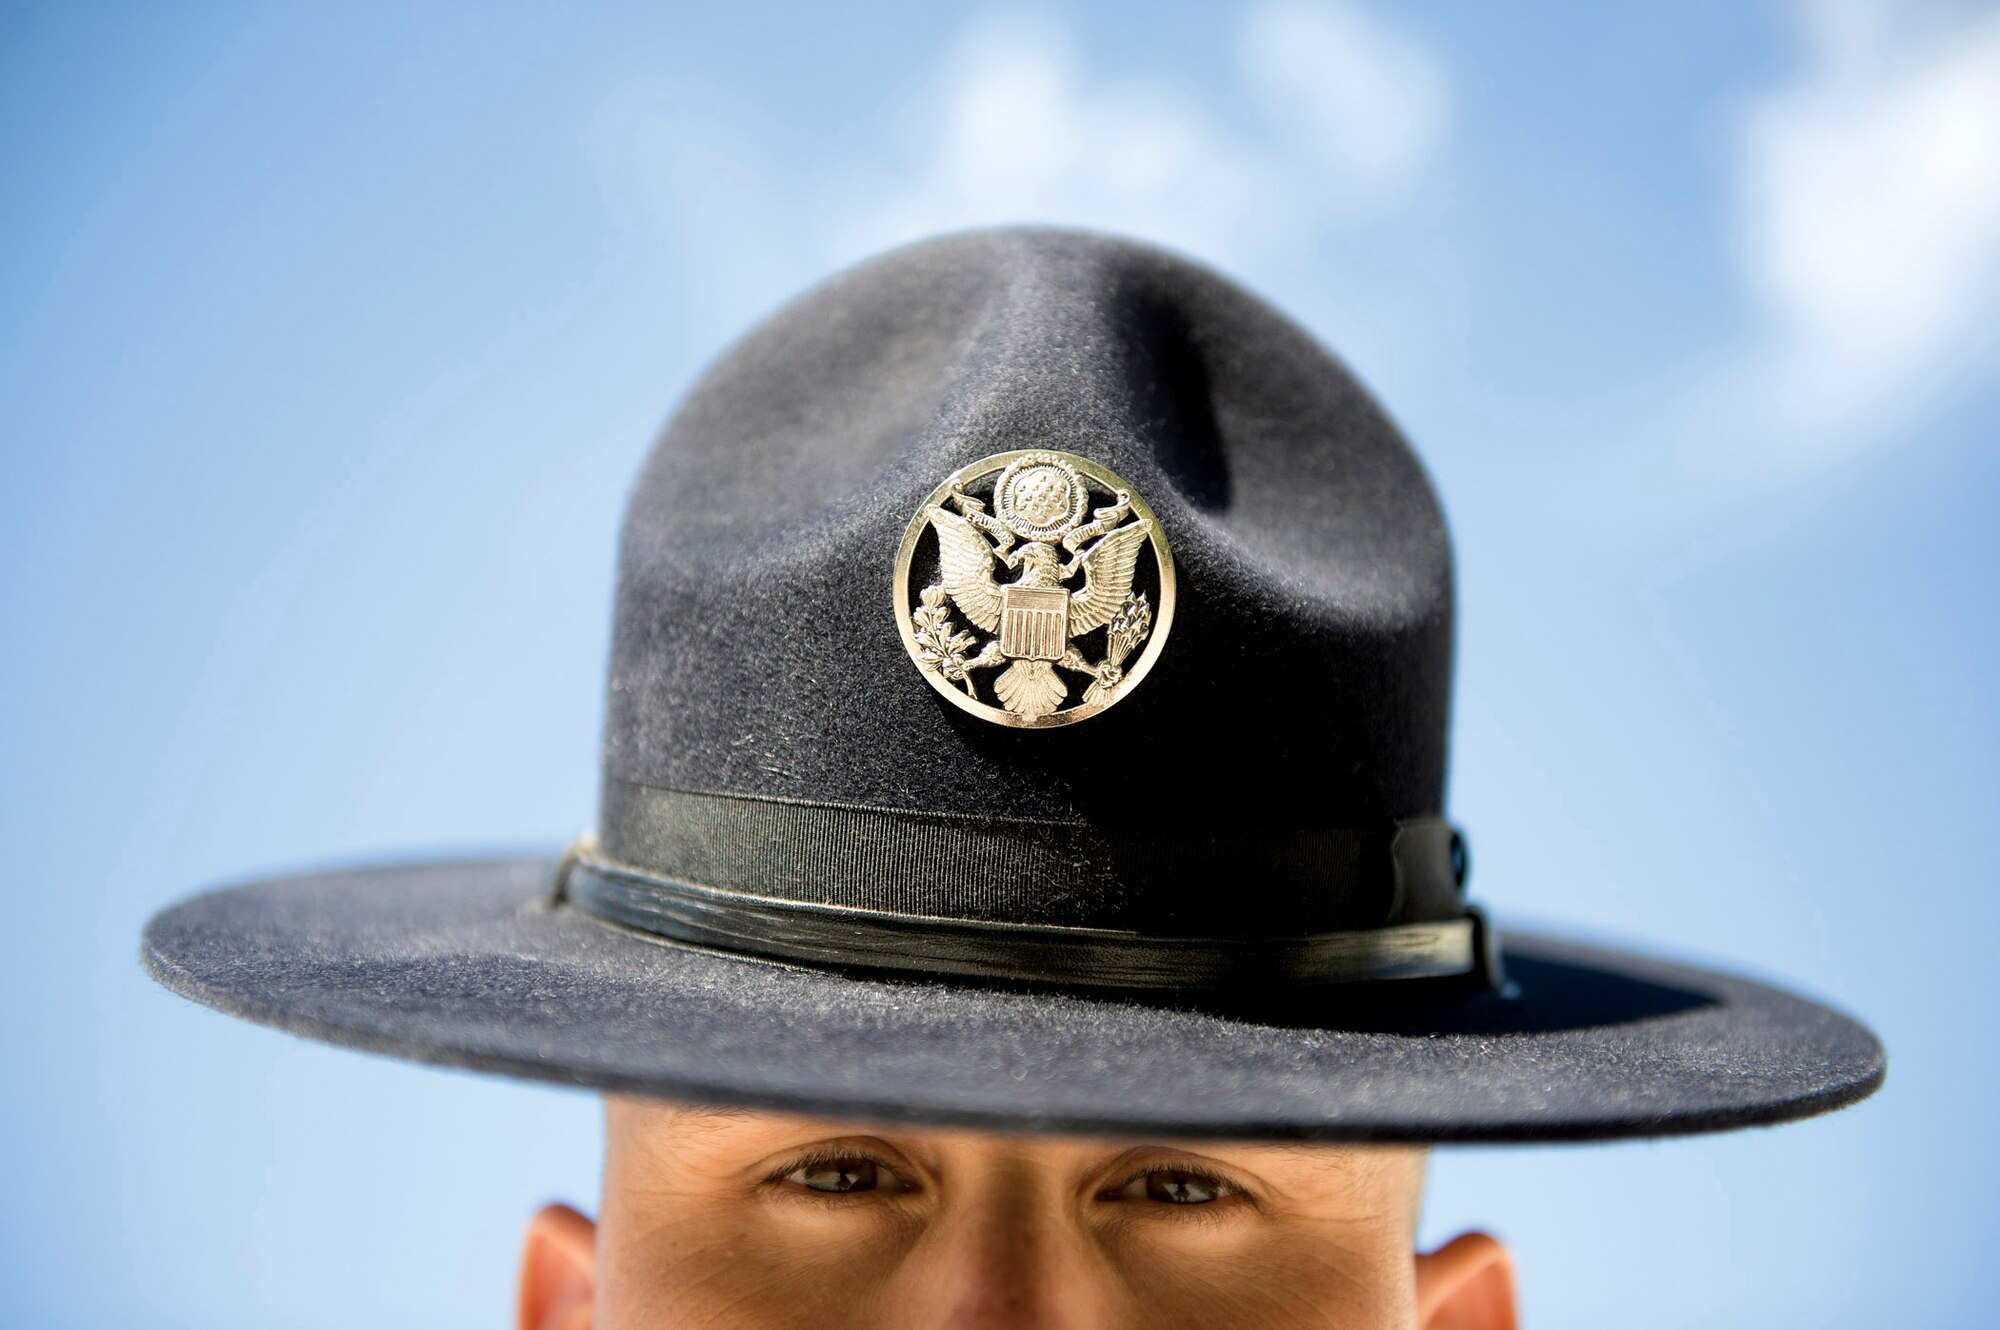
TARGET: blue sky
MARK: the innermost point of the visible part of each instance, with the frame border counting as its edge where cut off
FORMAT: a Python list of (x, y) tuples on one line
[(330, 337)]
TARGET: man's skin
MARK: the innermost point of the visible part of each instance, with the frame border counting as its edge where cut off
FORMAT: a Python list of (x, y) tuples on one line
[(757, 1220)]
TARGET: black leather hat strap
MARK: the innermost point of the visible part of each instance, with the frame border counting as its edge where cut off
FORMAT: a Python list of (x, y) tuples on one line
[(911, 862), (876, 940)]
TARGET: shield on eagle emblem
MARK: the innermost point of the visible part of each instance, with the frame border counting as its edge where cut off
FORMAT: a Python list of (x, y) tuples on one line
[(1034, 622)]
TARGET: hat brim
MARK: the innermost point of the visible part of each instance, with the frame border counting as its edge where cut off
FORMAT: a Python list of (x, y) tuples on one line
[(471, 965)]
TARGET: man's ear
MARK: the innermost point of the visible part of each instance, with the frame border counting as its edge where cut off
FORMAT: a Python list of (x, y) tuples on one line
[(1467, 1284), (558, 1271)]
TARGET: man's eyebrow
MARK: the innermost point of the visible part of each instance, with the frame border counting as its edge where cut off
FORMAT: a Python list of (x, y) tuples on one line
[(707, 1115), (671, 1114), (1351, 1162)]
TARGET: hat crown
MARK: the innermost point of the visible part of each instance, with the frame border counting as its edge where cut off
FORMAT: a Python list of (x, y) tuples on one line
[(756, 656)]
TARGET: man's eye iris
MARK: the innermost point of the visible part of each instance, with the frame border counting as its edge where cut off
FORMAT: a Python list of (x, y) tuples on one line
[(837, 1175), (1175, 1187)]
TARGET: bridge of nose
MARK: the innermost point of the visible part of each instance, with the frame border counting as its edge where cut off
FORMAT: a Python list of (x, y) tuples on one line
[(1010, 1246)]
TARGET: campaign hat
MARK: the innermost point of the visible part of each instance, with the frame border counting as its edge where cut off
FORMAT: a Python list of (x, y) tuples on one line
[(1028, 708)]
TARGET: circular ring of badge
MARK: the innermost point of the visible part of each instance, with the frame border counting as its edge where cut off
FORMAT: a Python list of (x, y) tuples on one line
[(1034, 588)]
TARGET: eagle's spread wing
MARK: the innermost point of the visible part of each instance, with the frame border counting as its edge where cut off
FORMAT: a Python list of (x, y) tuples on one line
[(1107, 577), (966, 559)]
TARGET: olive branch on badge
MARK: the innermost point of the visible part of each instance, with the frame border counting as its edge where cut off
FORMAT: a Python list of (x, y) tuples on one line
[(941, 644)]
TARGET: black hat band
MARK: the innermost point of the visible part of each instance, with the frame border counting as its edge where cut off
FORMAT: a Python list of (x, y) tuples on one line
[(1025, 900), (847, 938), (1178, 872)]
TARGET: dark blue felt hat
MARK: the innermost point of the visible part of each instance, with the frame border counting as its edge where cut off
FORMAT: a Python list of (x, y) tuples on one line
[(1029, 707)]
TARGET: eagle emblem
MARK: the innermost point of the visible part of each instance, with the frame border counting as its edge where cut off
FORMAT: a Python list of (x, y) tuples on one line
[(1019, 579)]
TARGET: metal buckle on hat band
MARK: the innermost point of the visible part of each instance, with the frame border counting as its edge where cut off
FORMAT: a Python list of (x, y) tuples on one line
[(875, 940)]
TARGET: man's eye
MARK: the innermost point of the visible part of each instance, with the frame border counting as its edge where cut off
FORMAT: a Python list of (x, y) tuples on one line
[(842, 1175), (1176, 1186)]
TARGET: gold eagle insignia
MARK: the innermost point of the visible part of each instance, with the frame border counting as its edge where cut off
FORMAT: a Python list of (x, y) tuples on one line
[(1033, 568)]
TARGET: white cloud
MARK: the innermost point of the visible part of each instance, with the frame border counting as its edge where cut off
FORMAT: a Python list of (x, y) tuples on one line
[(1366, 102), (1016, 128), (1315, 119), (1869, 225)]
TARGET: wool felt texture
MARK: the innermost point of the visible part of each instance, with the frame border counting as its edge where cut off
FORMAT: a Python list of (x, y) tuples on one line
[(1306, 680), (471, 966), (755, 657)]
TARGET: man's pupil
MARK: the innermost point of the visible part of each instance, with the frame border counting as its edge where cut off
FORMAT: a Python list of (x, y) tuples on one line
[(841, 1175), (1179, 1188)]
